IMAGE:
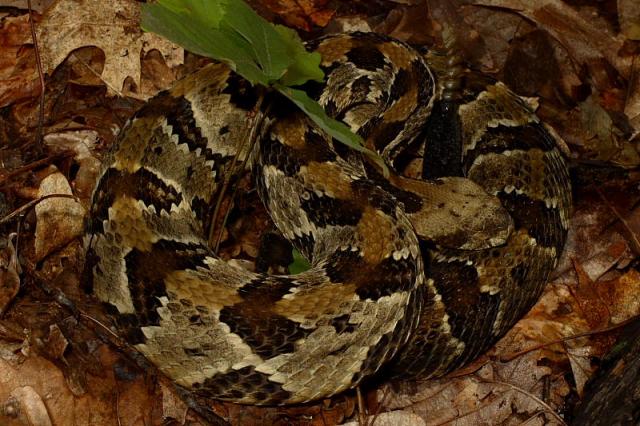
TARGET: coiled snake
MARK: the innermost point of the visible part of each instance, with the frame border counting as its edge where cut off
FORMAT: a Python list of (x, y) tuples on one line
[(419, 276)]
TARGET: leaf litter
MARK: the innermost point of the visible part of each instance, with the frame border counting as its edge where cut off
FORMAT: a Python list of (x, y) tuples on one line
[(69, 368)]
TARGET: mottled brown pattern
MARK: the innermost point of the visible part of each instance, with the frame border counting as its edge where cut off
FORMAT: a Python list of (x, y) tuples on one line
[(334, 49), (375, 293), (376, 238), (328, 178)]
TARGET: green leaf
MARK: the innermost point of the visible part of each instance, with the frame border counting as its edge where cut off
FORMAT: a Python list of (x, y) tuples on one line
[(231, 32), (272, 55), (306, 65), (299, 264), (334, 128), (264, 42), (198, 31)]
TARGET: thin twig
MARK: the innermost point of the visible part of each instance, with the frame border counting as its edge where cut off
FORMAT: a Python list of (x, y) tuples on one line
[(31, 204), (543, 404), (250, 140), (97, 74), (38, 145), (35, 164), (509, 357), (94, 320)]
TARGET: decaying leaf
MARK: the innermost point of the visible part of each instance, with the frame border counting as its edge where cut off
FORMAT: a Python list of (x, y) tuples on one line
[(493, 395), (392, 418), (302, 14), (602, 138), (585, 42), (114, 27), (59, 219)]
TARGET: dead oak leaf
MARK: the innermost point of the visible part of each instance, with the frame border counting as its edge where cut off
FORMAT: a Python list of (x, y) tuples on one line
[(498, 393), (585, 42), (593, 306), (303, 14), (112, 26)]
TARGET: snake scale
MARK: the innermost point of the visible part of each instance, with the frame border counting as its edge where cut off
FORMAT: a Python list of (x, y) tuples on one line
[(415, 277)]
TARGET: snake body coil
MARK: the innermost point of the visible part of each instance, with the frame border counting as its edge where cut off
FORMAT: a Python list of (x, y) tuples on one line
[(420, 276)]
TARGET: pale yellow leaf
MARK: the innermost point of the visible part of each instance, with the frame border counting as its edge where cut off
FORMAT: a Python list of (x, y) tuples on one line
[(112, 26)]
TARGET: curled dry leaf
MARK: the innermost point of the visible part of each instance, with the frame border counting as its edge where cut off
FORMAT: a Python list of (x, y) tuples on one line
[(82, 143), (59, 220), (32, 405), (114, 27)]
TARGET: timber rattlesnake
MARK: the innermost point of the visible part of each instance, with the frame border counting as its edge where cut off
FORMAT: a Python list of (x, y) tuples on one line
[(419, 276)]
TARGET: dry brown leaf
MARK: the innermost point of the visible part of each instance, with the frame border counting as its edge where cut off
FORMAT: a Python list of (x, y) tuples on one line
[(9, 278), (591, 239), (496, 31), (392, 418), (114, 27), (82, 144), (626, 296), (172, 406), (59, 219), (496, 394), (581, 367), (302, 14), (585, 42), (106, 403), (37, 5), (18, 76), (593, 307), (629, 18), (602, 139), (32, 406), (632, 106)]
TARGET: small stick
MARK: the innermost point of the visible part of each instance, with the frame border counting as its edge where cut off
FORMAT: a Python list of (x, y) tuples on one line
[(43, 161), (227, 180), (31, 204), (509, 357), (362, 415), (38, 145)]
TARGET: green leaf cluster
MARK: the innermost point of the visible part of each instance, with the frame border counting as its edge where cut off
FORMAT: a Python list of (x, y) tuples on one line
[(231, 32), (271, 55)]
